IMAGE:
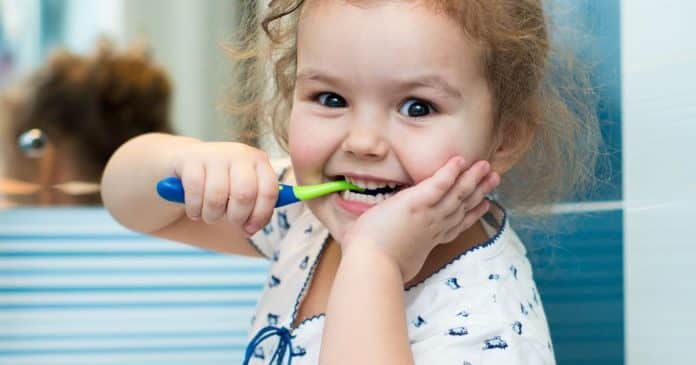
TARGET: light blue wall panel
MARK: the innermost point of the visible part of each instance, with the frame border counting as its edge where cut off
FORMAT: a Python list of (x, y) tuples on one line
[(76, 288)]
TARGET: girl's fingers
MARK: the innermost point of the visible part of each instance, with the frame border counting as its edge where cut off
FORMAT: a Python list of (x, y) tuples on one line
[(464, 219), (487, 185), (216, 192), (465, 188), (457, 214), (265, 200), (193, 181), (243, 191), (434, 188)]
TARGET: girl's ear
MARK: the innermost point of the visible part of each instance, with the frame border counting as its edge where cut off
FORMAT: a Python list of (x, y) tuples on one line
[(511, 145)]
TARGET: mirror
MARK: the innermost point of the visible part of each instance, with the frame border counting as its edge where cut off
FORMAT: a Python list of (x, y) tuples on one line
[(79, 77)]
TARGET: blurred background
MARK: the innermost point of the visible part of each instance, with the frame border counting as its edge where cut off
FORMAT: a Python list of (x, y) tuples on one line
[(76, 288)]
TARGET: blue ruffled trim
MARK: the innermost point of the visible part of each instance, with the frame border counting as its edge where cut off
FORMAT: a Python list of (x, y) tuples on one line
[(257, 248), (310, 275), (489, 242), (308, 320)]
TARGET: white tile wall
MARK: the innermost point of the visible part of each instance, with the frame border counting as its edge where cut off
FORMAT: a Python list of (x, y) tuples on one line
[(659, 137)]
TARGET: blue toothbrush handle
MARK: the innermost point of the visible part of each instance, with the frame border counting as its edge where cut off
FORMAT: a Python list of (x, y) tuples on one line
[(171, 189)]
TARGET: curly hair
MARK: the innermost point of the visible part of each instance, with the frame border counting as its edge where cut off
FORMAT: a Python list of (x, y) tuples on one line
[(92, 103), (537, 88)]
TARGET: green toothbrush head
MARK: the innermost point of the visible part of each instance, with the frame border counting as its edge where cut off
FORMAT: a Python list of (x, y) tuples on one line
[(314, 191)]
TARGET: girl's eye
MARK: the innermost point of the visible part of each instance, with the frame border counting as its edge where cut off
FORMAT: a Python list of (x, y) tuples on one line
[(416, 108), (331, 100)]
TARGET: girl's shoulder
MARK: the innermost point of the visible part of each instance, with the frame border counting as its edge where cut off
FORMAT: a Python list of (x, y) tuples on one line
[(481, 303)]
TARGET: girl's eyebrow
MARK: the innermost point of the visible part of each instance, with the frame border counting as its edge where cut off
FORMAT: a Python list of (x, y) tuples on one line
[(310, 74), (432, 81)]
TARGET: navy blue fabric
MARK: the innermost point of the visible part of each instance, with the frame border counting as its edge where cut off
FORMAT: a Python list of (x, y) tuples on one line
[(284, 344)]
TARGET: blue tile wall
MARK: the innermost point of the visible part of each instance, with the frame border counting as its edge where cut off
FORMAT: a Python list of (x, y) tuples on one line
[(579, 273)]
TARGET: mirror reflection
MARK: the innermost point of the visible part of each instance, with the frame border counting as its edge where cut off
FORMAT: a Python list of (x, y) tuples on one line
[(63, 122), (80, 77)]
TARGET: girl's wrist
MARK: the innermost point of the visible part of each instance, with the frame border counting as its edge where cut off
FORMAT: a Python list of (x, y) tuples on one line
[(370, 255)]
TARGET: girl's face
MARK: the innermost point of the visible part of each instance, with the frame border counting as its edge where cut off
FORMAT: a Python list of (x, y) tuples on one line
[(384, 93)]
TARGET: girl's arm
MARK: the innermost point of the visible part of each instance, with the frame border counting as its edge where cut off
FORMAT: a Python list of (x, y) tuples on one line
[(206, 168), (130, 178), (365, 317)]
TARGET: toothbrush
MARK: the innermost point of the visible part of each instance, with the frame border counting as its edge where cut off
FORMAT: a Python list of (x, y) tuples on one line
[(172, 189)]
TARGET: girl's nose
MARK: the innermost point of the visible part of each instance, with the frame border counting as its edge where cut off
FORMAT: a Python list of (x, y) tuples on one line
[(365, 142)]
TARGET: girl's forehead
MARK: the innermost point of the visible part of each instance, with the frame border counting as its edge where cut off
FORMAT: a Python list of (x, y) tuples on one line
[(414, 38)]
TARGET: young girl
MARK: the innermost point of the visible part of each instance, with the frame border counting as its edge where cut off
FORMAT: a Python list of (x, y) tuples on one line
[(434, 101)]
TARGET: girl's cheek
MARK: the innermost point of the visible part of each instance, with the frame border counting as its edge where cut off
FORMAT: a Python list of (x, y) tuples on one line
[(305, 150), (304, 154), (424, 159), (421, 163)]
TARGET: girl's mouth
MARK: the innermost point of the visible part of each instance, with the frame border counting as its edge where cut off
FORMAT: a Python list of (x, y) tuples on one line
[(375, 192)]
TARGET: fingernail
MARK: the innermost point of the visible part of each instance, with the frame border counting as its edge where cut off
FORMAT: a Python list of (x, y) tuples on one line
[(250, 228)]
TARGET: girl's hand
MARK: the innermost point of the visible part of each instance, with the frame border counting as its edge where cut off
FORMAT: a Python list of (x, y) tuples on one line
[(226, 179), (407, 226)]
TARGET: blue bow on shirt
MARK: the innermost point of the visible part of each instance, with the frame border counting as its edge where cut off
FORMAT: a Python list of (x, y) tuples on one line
[(284, 344)]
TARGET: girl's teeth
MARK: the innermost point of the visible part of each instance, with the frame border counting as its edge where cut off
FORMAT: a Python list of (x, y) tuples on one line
[(370, 184), (364, 198)]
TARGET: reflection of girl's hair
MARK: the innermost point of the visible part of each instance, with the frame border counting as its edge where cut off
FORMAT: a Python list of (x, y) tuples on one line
[(88, 106), (536, 90)]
